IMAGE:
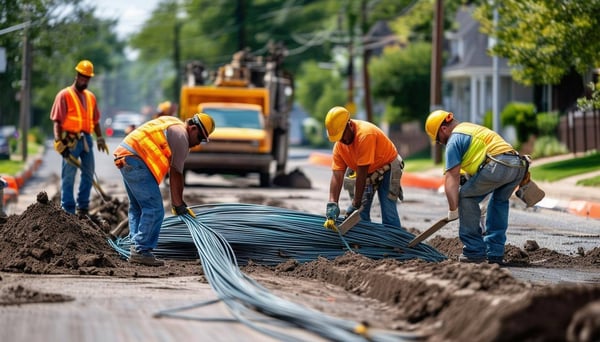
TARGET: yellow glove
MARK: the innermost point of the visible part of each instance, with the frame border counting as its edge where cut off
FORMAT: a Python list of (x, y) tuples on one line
[(182, 210), (102, 147), (330, 224), (61, 147)]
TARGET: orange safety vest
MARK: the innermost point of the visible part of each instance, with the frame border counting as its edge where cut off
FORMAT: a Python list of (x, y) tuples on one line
[(79, 119), (149, 142)]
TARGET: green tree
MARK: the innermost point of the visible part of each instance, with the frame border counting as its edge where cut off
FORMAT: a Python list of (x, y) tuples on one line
[(317, 90), (544, 39), (400, 77), (61, 33)]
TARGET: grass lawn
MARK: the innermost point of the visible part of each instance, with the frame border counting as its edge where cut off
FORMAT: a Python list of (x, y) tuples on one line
[(419, 162), (566, 168), (15, 165)]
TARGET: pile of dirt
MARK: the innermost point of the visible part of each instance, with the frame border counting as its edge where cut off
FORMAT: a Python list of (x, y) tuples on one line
[(17, 295), (45, 239)]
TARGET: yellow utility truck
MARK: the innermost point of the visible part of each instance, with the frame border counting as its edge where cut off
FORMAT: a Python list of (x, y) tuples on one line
[(250, 103)]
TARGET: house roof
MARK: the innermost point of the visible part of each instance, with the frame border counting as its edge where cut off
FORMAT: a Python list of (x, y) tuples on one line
[(474, 49)]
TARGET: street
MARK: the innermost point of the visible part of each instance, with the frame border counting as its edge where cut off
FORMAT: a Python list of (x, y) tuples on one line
[(554, 230)]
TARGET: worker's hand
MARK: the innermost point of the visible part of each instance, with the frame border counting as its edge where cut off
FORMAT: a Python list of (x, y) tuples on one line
[(452, 215), (330, 224), (102, 147), (350, 210), (61, 147), (333, 211), (182, 210)]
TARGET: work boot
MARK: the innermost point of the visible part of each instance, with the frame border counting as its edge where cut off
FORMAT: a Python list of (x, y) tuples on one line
[(474, 260), (82, 212), (496, 260), (143, 258)]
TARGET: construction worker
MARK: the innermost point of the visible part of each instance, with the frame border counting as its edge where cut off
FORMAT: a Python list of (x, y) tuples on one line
[(144, 157), (165, 108), (75, 114), (493, 167), (364, 148)]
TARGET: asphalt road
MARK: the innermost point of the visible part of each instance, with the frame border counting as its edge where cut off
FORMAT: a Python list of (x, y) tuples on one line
[(559, 231)]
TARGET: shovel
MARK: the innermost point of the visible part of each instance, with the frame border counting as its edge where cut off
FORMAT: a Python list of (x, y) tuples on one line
[(350, 221), (75, 162), (424, 235)]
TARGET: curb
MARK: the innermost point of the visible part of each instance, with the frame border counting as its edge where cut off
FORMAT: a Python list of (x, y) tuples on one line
[(16, 182), (577, 207)]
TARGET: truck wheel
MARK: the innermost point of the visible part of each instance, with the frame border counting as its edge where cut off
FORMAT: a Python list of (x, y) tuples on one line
[(265, 179)]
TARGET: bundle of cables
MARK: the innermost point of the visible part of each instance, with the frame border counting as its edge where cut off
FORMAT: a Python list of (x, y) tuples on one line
[(270, 235), (253, 305), (220, 235)]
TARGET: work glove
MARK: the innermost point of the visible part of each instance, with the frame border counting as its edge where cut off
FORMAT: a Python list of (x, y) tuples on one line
[(102, 147), (333, 211), (452, 215), (182, 210), (350, 210), (61, 147)]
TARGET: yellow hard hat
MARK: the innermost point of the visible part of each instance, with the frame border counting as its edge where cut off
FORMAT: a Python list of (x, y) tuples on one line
[(86, 68), (335, 122), (163, 107), (434, 122), (205, 122)]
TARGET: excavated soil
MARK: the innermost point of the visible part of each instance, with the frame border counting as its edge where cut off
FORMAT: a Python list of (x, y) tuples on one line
[(434, 300)]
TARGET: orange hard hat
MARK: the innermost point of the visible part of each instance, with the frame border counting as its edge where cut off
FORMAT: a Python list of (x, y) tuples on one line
[(86, 68)]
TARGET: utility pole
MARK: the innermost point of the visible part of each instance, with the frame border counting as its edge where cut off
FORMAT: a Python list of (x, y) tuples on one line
[(435, 101), (25, 94), (365, 66)]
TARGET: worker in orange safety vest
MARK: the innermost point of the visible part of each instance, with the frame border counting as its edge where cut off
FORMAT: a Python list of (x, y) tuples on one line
[(144, 157), (76, 116)]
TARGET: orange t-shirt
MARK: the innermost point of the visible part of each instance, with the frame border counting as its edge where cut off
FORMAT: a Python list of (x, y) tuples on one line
[(370, 147)]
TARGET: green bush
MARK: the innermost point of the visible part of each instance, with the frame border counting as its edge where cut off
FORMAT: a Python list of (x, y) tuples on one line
[(547, 146), (547, 123), (522, 117)]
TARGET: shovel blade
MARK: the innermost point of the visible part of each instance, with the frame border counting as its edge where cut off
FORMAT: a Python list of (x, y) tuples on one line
[(424, 235), (350, 221)]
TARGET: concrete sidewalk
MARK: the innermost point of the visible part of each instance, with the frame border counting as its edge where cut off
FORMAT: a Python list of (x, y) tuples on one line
[(563, 195)]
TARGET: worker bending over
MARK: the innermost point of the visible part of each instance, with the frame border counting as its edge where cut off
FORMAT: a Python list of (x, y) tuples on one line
[(492, 166), (364, 148), (144, 157)]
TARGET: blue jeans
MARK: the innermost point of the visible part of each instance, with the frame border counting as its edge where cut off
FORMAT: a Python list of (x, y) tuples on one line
[(67, 199), (499, 180), (146, 210), (389, 209)]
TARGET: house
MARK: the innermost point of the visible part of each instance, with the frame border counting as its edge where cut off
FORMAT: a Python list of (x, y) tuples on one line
[(469, 71)]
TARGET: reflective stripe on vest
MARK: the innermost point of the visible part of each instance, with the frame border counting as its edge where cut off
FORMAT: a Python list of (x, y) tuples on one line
[(79, 119), (149, 142)]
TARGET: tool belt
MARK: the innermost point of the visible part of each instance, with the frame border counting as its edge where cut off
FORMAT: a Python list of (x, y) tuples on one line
[(396, 167), (490, 158), (528, 191), (73, 139)]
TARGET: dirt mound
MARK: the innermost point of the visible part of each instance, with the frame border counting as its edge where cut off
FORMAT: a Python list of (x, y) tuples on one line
[(17, 295), (44, 239)]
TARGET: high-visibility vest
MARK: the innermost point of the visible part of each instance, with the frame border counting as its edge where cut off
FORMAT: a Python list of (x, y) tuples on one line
[(149, 142), (484, 141), (79, 119)]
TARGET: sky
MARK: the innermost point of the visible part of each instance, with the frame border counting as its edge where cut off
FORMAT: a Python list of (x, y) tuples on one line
[(131, 13)]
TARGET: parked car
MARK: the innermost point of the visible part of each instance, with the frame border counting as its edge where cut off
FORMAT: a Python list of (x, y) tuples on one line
[(123, 123), (4, 148)]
